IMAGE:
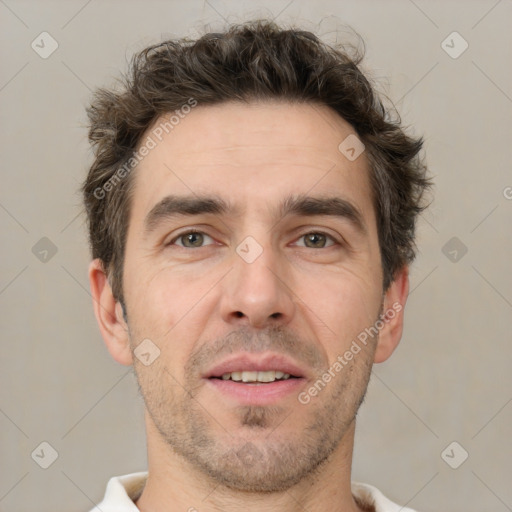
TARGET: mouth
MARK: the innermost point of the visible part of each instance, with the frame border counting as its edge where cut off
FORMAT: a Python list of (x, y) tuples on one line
[(255, 379)]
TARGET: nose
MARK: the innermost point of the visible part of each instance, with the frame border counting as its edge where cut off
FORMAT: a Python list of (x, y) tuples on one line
[(257, 293)]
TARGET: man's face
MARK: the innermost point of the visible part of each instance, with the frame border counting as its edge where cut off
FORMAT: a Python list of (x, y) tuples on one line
[(280, 280)]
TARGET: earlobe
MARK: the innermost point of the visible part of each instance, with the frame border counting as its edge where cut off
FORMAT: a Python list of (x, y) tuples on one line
[(109, 315), (393, 315)]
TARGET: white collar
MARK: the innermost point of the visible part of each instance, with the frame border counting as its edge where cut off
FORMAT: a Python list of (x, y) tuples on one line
[(122, 490)]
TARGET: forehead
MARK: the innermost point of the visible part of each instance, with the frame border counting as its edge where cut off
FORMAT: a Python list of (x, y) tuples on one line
[(252, 154)]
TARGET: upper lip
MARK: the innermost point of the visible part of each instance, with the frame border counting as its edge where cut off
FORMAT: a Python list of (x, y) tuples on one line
[(256, 362)]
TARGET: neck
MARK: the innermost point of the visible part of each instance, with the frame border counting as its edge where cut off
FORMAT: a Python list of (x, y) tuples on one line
[(173, 485)]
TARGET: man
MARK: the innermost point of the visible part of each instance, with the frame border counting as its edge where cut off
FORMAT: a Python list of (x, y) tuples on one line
[(251, 210)]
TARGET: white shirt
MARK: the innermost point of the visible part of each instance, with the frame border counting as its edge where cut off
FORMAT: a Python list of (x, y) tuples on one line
[(122, 490)]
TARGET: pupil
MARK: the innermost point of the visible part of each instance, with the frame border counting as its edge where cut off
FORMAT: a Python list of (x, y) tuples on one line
[(194, 238), (315, 238)]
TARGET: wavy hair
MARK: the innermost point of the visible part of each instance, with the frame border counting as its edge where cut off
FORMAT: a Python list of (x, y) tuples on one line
[(256, 60)]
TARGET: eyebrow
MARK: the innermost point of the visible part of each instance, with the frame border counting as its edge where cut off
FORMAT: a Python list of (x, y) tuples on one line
[(304, 205), (301, 205), (173, 206)]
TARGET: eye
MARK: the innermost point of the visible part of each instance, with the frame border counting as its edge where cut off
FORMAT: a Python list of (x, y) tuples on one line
[(317, 240), (191, 239)]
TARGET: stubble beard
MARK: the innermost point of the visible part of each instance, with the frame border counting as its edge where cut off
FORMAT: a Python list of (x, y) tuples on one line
[(263, 454)]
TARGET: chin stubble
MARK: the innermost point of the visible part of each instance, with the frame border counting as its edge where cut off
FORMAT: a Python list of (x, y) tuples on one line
[(262, 454)]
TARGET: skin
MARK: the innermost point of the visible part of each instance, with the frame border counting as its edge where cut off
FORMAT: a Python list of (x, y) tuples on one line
[(198, 304)]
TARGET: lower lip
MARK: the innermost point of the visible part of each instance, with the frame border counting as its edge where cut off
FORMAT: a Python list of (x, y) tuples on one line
[(257, 393)]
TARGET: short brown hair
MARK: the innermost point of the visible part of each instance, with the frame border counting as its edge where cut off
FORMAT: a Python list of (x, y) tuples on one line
[(252, 61)]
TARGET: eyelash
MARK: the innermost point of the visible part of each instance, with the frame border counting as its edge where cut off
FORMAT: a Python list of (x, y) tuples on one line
[(194, 231), (190, 232)]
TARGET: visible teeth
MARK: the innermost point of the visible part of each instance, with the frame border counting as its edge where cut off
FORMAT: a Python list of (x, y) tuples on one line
[(251, 376), (267, 376)]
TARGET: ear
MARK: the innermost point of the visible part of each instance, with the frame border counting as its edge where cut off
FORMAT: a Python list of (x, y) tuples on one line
[(393, 315), (109, 315)]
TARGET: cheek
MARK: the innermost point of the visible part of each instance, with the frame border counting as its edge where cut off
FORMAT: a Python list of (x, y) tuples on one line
[(345, 303), (163, 302)]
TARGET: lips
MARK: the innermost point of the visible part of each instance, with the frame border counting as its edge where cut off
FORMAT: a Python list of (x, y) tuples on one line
[(261, 377), (256, 368), (255, 379)]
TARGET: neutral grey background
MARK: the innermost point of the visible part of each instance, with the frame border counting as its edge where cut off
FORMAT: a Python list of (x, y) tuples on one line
[(449, 380)]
